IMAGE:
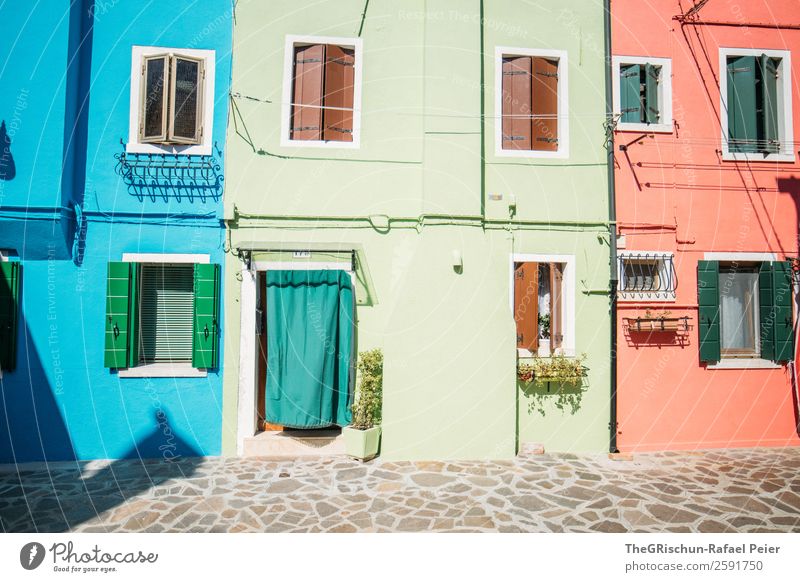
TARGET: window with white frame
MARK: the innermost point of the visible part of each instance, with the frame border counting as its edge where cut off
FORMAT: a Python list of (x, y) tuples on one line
[(322, 92), (172, 101), (531, 103), (643, 93), (647, 276), (755, 91)]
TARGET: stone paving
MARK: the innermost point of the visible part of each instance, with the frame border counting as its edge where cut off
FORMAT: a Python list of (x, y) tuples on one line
[(720, 491)]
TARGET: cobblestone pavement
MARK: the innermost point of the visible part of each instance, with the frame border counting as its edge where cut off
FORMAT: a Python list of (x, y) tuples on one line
[(732, 490)]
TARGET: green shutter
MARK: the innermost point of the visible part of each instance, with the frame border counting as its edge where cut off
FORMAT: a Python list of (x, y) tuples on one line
[(120, 315), (206, 316), (766, 310), (629, 93), (768, 105), (782, 300), (652, 110), (10, 281), (742, 115), (708, 312)]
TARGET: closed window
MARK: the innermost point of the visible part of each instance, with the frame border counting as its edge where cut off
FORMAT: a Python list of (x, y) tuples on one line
[(738, 302), (323, 93), (166, 304), (642, 93), (171, 100), (530, 103), (10, 303), (539, 306)]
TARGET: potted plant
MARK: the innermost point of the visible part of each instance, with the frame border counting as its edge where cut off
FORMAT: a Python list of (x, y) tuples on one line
[(559, 369), (362, 437)]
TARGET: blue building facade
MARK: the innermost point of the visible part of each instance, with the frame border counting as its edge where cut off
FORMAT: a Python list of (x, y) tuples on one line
[(111, 236)]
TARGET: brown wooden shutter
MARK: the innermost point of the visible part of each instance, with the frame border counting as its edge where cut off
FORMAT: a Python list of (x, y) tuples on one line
[(526, 305), (545, 104), (517, 103), (556, 306), (339, 80), (307, 94)]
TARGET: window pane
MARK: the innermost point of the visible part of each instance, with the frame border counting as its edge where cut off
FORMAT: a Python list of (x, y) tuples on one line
[(641, 276), (187, 76), (738, 304), (154, 98), (166, 313)]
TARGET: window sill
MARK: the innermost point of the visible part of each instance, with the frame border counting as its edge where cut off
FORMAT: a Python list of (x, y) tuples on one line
[(545, 353), (748, 157), (556, 155), (336, 145), (744, 364), (163, 371), (202, 149), (645, 127)]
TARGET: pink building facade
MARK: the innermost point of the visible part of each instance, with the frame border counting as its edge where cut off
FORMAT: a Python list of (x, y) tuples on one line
[(707, 191)]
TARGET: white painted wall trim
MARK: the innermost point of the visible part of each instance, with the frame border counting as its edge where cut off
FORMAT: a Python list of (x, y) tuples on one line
[(166, 258), (563, 102), (744, 257), (743, 364), (570, 279), (357, 44), (785, 126), (209, 65), (176, 370), (303, 266), (247, 411), (646, 296), (664, 93)]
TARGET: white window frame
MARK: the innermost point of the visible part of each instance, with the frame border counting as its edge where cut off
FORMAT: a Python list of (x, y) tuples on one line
[(357, 45), (664, 94), (646, 296), (164, 370), (785, 128), (563, 102), (741, 363), (205, 147), (568, 303)]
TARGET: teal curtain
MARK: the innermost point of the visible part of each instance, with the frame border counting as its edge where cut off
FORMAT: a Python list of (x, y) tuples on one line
[(309, 348)]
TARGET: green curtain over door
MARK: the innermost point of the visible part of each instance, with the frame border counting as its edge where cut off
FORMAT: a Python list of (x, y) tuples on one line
[(309, 348)]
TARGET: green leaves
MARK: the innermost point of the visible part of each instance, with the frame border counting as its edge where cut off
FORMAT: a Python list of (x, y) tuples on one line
[(369, 396)]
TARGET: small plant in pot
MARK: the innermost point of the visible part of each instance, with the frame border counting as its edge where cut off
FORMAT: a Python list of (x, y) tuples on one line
[(362, 438)]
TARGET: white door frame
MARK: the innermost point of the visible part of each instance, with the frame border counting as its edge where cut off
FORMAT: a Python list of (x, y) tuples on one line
[(248, 346)]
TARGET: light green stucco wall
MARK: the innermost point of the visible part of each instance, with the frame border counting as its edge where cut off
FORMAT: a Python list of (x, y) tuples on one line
[(448, 338)]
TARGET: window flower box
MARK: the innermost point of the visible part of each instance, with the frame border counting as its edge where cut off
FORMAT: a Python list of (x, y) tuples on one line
[(557, 369), (657, 324)]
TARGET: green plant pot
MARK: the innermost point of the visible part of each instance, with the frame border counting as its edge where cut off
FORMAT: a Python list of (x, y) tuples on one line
[(362, 444)]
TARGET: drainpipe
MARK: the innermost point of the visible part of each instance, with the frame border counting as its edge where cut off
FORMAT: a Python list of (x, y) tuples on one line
[(612, 230)]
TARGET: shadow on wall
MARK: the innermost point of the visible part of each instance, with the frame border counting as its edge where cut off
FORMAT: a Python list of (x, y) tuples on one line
[(58, 500), (565, 397), (8, 170)]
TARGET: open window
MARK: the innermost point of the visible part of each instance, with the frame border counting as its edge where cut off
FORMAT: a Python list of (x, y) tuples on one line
[(756, 104), (539, 307), (643, 93), (162, 318)]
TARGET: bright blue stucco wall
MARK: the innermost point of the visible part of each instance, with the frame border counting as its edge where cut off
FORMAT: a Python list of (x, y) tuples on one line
[(61, 403)]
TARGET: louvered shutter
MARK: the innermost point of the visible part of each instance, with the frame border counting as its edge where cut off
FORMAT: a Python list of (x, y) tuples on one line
[(206, 316), (708, 310), (768, 105), (517, 111), (307, 92), (166, 307), (782, 301), (742, 116), (526, 305), (10, 284), (186, 91), (629, 94), (766, 311), (339, 79), (120, 320), (652, 77), (556, 306), (545, 104), (153, 99)]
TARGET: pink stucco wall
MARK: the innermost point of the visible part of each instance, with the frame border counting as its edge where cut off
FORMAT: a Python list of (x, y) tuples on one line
[(688, 201)]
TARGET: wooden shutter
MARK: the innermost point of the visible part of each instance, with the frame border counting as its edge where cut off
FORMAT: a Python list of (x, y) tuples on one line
[(545, 104), (166, 313), (556, 306), (339, 80), (10, 284), (206, 316), (526, 305), (742, 116), (708, 311), (769, 140), (153, 99), (652, 77), (186, 100), (629, 94), (119, 328), (517, 129), (782, 301), (307, 92), (766, 311)]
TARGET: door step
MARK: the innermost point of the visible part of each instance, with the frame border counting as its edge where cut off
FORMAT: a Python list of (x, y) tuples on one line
[(294, 444)]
